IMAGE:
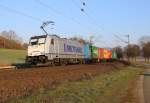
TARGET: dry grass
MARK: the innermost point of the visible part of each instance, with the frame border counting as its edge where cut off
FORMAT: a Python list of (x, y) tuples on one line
[(106, 88), (10, 56)]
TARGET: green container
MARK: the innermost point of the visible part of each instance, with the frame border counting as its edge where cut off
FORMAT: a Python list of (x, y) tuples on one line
[(114, 55), (94, 51)]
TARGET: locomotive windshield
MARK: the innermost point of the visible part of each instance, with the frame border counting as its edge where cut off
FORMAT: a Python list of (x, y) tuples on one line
[(33, 41), (37, 41)]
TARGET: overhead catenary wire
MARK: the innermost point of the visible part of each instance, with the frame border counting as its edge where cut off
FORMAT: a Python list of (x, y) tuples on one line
[(29, 16), (20, 13), (61, 14), (99, 26), (33, 17), (120, 38), (91, 19), (81, 1), (103, 42)]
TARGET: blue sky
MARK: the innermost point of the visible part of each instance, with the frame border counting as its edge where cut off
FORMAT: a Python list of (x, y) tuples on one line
[(105, 18)]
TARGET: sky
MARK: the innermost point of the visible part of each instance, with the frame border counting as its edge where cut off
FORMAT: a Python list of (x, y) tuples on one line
[(101, 19)]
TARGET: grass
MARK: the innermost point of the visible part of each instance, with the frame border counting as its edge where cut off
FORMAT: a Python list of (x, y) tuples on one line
[(10, 56), (106, 88)]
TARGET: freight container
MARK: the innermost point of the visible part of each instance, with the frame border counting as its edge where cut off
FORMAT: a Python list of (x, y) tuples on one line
[(101, 53), (107, 54), (94, 51), (87, 51), (114, 55)]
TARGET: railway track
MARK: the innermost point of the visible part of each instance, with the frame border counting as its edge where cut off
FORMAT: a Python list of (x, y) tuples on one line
[(28, 66), (7, 67)]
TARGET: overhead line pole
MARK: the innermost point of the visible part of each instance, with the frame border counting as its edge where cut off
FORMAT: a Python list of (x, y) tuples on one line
[(128, 36), (128, 44), (120, 38)]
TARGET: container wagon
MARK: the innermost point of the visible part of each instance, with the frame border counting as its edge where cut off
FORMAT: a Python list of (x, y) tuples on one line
[(53, 50), (94, 53), (87, 53)]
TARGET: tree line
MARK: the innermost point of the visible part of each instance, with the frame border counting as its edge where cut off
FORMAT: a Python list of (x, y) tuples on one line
[(11, 40), (132, 51)]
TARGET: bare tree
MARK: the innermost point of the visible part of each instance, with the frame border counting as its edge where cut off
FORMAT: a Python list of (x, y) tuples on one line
[(10, 39), (146, 51), (132, 51), (4, 34), (11, 35), (80, 39), (145, 45), (144, 40)]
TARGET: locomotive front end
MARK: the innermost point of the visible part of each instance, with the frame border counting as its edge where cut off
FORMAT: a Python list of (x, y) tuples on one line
[(36, 50)]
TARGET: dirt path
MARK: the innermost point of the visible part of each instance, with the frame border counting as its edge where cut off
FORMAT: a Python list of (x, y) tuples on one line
[(146, 86), (17, 83)]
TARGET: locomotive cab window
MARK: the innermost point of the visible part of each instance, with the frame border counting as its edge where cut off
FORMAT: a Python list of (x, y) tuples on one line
[(37, 41), (33, 41), (52, 41), (41, 41)]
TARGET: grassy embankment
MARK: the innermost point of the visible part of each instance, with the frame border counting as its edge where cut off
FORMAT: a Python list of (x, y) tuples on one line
[(10, 56), (106, 88)]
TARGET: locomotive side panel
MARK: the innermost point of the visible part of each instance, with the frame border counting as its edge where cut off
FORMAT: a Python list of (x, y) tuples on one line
[(63, 50), (69, 49)]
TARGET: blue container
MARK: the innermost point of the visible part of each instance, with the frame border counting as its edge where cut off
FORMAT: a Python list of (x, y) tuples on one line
[(87, 53)]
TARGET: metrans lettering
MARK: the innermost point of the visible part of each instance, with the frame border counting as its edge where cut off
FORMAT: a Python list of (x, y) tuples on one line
[(71, 48)]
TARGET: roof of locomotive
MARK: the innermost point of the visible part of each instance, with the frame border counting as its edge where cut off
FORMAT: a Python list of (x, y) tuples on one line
[(41, 36), (54, 35), (44, 36)]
